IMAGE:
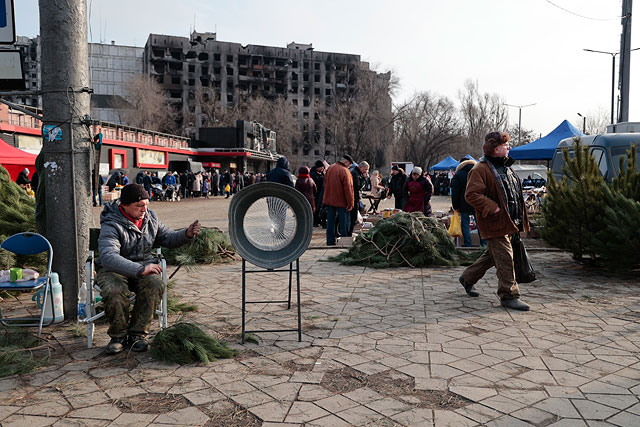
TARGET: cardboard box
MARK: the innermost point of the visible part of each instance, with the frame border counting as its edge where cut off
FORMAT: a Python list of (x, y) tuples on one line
[(345, 241)]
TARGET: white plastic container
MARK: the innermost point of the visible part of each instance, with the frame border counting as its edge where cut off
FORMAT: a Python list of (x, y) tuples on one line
[(58, 308)]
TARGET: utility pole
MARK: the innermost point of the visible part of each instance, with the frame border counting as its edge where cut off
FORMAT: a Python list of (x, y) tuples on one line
[(519, 107), (66, 171), (625, 61)]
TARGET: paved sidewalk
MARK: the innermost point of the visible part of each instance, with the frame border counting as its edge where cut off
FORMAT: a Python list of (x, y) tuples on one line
[(380, 347)]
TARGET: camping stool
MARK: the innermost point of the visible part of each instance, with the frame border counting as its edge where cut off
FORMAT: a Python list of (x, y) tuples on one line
[(92, 285), (28, 243)]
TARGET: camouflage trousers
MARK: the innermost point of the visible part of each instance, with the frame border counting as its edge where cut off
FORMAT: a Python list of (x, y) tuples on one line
[(499, 253), (115, 289)]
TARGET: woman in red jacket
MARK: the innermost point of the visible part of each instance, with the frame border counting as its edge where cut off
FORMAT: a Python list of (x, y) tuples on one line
[(416, 185), (306, 186)]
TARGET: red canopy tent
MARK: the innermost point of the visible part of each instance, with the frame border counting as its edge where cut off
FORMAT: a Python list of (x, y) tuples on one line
[(15, 160)]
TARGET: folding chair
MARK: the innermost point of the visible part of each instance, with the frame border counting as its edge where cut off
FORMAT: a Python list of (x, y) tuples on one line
[(28, 243), (92, 286)]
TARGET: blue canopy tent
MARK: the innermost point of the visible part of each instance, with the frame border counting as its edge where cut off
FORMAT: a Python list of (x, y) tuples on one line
[(470, 157), (446, 164), (543, 148)]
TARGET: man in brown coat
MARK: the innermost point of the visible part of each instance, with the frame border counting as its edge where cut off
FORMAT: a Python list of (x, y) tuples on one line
[(338, 197), (495, 192)]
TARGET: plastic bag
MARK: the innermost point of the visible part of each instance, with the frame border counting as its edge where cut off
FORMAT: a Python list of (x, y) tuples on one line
[(455, 229), (227, 188), (521, 263)]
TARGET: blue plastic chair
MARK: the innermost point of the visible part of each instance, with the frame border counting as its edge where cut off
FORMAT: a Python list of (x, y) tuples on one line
[(28, 243)]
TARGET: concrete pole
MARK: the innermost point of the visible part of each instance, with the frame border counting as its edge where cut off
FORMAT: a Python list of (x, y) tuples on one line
[(625, 60), (65, 100)]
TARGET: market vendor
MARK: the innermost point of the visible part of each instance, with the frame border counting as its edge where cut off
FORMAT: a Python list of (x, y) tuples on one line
[(495, 192), (129, 231)]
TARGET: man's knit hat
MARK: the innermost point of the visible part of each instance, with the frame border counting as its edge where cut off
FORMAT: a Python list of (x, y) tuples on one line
[(132, 193)]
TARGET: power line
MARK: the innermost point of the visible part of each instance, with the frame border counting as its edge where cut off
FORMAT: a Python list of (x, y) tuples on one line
[(583, 16)]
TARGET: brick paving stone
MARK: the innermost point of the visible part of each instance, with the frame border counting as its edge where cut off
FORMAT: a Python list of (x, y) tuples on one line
[(625, 419), (616, 401), (53, 408), (479, 413), (82, 400), (301, 412), (559, 406), (388, 406), (253, 398), (272, 411), (475, 394), (336, 403), (363, 395), (503, 404), (572, 422), (328, 421), (415, 417), (28, 420), (307, 377), (284, 391), (200, 397), (191, 416), (122, 392), (593, 411), (360, 415), (312, 392), (133, 420), (561, 391), (98, 412), (451, 419), (535, 416), (235, 388)]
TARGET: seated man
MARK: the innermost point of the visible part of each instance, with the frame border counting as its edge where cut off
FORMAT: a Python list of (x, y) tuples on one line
[(128, 234)]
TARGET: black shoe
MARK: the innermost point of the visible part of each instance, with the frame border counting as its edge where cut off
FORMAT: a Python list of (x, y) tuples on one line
[(468, 288), (116, 345), (138, 343), (515, 304)]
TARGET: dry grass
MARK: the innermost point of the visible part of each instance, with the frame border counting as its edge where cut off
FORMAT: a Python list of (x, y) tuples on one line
[(152, 403), (225, 413)]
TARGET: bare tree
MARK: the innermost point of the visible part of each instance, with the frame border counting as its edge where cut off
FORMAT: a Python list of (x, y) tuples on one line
[(597, 121), (425, 129), (481, 113), (358, 116), (146, 106)]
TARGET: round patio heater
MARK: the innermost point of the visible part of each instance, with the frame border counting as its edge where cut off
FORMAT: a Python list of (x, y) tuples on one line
[(270, 226)]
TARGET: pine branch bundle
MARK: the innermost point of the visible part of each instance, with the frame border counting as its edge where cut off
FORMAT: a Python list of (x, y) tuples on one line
[(209, 247), (185, 343), (17, 209), (16, 351), (404, 240)]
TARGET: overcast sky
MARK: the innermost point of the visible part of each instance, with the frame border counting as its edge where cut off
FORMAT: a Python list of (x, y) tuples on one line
[(526, 51)]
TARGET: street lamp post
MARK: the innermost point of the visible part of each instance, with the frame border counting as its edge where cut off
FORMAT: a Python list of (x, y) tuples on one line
[(584, 123), (613, 73), (519, 107)]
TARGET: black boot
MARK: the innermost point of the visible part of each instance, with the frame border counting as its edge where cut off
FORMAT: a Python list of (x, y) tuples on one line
[(138, 343), (468, 288), (116, 345), (515, 304)]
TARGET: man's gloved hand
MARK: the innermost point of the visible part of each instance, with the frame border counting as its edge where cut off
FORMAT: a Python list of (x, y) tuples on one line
[(151, 269), (193, 230)]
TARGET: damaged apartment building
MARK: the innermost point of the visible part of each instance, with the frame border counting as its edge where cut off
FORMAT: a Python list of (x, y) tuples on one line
[(304, 77), (185, 66)]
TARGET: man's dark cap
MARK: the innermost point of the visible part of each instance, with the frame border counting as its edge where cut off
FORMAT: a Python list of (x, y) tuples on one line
[(348, 158), (319, 164), (132, 193), (394, 167)]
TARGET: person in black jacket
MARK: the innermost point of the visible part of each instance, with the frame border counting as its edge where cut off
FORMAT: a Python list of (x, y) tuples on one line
[(317, 175), (396, 185), (280, 173), (360, 175), (458, 188)]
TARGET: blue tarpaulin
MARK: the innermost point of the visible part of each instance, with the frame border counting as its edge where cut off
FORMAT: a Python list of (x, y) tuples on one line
[(446, 164), (543, 148)]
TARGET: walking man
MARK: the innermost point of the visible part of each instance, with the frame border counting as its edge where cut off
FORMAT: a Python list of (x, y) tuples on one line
[(495, 192)]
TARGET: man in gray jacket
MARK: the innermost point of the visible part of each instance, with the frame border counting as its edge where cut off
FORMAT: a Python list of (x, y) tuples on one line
[(129, 231)]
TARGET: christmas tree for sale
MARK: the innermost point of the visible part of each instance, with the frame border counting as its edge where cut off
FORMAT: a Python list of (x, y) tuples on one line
[(574, 205), (628, 180)]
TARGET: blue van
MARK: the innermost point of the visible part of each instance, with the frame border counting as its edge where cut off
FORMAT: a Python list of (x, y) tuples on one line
[(607, 149)]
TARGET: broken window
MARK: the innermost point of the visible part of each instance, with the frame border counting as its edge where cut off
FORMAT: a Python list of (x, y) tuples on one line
[(176, 54), (159, 53), (229, 97), (294, 76), (305, 115), (175, 80), (294, 101), (316, 152), (175, 94), (305, 77), (316, 91), (204, 71), (327, 92), (192, 82), (229, 58), (216, 70), (159, 79), (316, 66), (306, 65), (175, 66), (327, 79), (191, 55), (229, 71), (316, 78), (203, 56), (204, 81), (192, 68), (192, 95), (216, 57), (280, 62), (306, 103)]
